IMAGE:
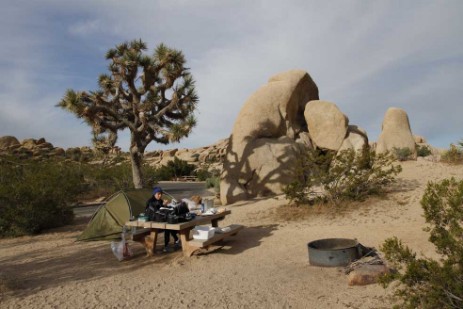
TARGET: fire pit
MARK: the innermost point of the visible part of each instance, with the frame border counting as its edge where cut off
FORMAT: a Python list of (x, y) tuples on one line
[(333, 251)]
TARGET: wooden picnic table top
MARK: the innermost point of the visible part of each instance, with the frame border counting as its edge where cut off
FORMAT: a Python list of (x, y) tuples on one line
[(198, 220)]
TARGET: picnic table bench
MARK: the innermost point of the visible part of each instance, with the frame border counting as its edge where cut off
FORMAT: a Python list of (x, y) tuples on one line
[(149, 231)]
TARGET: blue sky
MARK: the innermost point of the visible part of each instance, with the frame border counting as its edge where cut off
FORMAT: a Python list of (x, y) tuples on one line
[(365, 56)]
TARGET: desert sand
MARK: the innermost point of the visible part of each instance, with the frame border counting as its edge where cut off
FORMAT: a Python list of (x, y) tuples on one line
[(265, 266)]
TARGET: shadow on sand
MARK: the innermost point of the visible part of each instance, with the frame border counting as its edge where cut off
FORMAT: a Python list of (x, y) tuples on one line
[(57, 262)]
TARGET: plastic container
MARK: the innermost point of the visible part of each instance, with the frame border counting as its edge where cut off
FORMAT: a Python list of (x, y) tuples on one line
[(203, 232), (142, 218), (208, 204)]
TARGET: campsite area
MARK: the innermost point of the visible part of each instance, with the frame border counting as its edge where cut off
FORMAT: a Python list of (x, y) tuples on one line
[(264, 266)]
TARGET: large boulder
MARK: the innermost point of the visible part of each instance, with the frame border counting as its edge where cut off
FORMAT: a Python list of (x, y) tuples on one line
[(168, 155), (263, 137), (356, 139), (7, 141), (29, 143), (187, 155), (396, 132), (326, 123), (419, 139)]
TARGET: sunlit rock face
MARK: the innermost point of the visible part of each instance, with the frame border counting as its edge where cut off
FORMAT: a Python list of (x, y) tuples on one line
[(396, 132), (265, 142)]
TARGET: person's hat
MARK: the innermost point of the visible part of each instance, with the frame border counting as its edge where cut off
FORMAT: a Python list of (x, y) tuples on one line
[(157, 190)]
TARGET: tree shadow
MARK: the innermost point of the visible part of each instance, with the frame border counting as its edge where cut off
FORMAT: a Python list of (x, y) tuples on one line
[(241, 168), (276, 112)]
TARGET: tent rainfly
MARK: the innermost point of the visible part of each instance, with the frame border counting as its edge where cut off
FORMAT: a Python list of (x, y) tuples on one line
[(108, 220)]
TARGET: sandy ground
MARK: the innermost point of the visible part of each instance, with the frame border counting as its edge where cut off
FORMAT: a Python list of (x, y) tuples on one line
[(264, 266)]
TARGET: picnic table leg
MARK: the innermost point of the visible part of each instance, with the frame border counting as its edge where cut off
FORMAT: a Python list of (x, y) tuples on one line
[(215, 223), (150, 243), (185, 238)]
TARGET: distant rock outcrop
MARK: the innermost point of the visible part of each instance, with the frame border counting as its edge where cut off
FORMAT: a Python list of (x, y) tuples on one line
[(8, 141), (211, 155), (396, 132), (40, 149)]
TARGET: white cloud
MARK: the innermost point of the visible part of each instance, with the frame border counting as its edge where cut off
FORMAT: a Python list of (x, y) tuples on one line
[(364, 56)]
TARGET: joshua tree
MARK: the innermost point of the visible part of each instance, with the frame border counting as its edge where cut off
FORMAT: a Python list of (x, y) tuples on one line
[(152, 96)]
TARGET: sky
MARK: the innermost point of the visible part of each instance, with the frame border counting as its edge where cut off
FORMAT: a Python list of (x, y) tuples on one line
[(365, 56)]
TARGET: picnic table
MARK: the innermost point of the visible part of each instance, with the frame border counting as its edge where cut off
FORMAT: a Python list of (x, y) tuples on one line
[(148, 234)]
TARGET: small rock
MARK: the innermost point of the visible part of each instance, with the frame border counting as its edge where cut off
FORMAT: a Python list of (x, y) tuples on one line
[(366, 274)]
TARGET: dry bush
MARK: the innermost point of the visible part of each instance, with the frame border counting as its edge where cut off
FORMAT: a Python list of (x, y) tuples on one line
[(347, 175)]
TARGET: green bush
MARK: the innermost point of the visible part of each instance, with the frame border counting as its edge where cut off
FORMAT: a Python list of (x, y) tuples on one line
[(173, 169), (103, 180), (345, 176), (36, 195), (203, 174), (402, 154), (423, 151), (213, 182), (427, 283), (454, 155)]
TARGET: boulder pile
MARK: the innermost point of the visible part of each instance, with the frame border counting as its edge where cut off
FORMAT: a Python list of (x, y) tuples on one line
[(276, 126), (211, 155), (29, 148)]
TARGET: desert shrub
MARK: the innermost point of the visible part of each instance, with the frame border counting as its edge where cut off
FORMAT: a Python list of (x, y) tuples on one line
[(149, 172), (163, 173), (36, 195), (213, 182), (103, 180), (76, 154), (423, 150), (180, 167), (203, 174), (427, 283), (174, 169), (454, 155), (347, 175), (402, 154)]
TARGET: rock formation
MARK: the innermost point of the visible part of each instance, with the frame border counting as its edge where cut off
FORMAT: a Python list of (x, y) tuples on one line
[(263, 150), (356, 139), (326, 123), (8, 141), (396, 132)]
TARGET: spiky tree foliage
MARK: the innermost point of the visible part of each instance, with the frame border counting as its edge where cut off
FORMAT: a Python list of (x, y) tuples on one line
[(152, 96), (429, 283)]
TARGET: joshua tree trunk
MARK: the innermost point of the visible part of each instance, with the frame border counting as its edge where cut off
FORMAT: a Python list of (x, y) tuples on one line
[(136, 159), (136, 156)]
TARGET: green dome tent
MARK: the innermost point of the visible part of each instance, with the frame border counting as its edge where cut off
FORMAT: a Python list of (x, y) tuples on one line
[(107, 221)]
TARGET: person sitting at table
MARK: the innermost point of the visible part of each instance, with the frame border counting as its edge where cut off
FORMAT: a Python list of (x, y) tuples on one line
[(154, 204)]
